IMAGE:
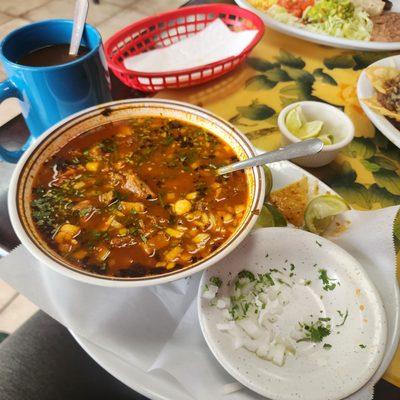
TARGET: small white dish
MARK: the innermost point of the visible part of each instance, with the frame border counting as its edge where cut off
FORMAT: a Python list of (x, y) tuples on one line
[(366, 90), (336, 122), (314, 373), (320, 38)]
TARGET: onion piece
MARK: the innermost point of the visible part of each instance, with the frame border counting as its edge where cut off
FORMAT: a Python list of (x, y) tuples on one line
[(226, 327), (232, 387)]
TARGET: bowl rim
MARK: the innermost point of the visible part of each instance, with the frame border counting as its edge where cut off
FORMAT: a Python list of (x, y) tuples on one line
[(42, 256), (327, 148)]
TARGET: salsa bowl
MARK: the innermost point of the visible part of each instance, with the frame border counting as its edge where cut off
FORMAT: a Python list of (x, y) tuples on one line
[(56, 138)]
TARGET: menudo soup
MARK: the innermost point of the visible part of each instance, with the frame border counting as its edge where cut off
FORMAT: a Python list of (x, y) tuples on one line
[(138, 197)]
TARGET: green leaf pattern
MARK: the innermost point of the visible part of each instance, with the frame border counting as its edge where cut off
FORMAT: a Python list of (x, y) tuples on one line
[(373, 157)]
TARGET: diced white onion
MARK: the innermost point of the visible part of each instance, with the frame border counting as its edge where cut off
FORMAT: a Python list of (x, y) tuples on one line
[(226, 327), (250, 345), (257, 307), (211, 292), (209, 295), (226, 314), (296, 334), (263, 297), (262, 351), (232, 387), (251, 328), (278, 356), (221, 304)]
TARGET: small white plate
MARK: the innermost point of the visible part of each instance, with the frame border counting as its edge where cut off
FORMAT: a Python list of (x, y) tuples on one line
[(366, 90), (320, 38), (314, 373)]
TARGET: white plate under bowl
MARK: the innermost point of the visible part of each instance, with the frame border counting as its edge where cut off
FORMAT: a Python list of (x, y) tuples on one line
[(366, 90), (313, 373), (320, 38), (164, 387)]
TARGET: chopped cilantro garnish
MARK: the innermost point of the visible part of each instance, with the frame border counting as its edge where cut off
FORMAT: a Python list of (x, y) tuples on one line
[(327, 346), (266, 279), (326, 281), (344, 316), (282, 282), (307, 282), (246, 274), (216, 281), (363, 346), (327, 319), (315, 331)]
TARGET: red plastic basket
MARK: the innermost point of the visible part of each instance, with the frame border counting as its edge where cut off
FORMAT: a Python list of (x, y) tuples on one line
[(165, 29)]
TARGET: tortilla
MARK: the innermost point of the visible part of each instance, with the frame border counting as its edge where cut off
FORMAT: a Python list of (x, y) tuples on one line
[(379, 75), (374, 104)]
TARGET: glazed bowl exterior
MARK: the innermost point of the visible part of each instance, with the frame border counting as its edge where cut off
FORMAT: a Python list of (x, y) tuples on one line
[(19, 196)]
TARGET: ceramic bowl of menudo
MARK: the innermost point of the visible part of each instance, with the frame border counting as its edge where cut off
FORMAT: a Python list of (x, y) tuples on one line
[(126, 194)]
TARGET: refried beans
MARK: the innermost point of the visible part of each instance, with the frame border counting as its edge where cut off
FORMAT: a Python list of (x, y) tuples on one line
[(386, 27)]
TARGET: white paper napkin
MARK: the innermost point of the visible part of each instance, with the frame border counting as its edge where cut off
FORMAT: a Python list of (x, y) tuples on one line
[(215, 42), (157, 328)]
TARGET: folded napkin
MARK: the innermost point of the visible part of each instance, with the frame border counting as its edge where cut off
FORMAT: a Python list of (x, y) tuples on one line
[(156, 328), (214, 43)]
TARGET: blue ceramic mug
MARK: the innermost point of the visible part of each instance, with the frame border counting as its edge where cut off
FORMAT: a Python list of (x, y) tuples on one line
[(49, 94)]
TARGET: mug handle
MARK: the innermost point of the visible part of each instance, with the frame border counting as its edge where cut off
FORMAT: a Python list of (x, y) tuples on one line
[(7, 90)]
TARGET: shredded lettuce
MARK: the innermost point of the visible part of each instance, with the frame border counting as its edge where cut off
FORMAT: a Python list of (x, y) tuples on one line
[(332, 17)]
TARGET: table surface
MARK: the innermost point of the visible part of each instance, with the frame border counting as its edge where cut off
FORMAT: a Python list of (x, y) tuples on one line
[(14, 133)]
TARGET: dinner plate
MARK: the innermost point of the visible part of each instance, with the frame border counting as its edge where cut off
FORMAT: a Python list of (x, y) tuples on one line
[(366, 90), (158, 386), (313, 372), (320, 38)]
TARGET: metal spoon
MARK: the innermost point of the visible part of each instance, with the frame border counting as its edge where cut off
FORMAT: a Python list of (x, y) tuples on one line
[(80, 14), (294, 150)]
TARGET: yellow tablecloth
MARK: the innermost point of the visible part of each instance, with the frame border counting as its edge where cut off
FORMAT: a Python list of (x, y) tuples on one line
[(281, 70)]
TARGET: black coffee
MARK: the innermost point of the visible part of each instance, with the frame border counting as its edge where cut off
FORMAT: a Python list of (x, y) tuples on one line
[(56, 54)]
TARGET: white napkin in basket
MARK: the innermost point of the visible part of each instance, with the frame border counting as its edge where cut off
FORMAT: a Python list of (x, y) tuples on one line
[(156, 328), (215, 42)]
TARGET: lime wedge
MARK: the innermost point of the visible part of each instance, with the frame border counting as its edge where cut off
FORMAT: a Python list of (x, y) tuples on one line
[(279, 219), (310, 130), (321, 210), (326, 138), (265, 219), (294, 120), (269, 217), (268, 182)]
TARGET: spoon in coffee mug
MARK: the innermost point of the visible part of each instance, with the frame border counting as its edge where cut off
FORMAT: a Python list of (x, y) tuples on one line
[(80, 14), (294, 150)]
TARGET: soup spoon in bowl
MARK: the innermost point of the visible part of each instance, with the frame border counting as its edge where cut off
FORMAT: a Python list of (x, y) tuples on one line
[(294, 150)]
